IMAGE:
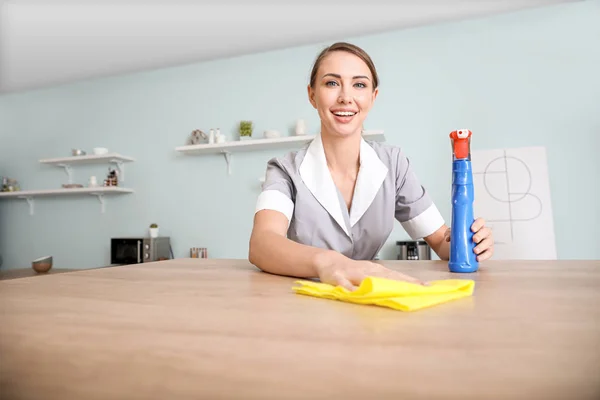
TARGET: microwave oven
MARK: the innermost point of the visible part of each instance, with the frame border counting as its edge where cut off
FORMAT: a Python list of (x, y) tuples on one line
[(137, 250)]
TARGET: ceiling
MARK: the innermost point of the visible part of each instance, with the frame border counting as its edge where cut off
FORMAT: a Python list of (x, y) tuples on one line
[(51, 42)]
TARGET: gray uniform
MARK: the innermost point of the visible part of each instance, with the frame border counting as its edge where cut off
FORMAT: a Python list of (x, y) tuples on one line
[(300, 186)]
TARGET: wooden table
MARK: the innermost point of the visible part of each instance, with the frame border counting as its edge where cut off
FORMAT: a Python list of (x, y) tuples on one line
[(24, 272), (220, 329)]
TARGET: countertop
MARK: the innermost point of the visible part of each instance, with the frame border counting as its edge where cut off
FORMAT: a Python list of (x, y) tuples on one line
[(222, 329)]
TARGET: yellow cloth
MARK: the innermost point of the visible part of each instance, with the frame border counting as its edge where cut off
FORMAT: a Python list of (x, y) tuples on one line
[(398, 295)]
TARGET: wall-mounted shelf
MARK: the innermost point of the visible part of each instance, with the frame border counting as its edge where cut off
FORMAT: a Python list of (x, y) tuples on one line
[(259, 144), (100, 192), (111, 158)]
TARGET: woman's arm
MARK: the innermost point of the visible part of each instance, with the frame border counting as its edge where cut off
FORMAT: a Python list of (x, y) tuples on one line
[(439, 241), (271, 250)]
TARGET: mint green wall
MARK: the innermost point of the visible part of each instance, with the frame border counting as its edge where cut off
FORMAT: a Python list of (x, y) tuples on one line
[(524, 79)]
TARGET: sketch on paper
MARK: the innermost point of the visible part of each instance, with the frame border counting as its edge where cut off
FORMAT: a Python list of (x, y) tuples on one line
[(512, 193)]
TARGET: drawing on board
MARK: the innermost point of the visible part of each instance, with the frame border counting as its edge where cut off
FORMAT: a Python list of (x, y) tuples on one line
[(512, 193)]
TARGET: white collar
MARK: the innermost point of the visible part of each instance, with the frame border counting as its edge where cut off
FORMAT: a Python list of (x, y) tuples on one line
[(317, 178)]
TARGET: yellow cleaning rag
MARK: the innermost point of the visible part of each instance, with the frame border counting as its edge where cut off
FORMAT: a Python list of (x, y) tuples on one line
[(394, 294)]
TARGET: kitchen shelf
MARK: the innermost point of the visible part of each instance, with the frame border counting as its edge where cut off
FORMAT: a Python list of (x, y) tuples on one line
[(111, 158), (228, 148), (100, 192)]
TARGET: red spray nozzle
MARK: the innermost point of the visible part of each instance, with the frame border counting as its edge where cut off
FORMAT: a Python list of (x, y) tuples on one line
[(461, 143)]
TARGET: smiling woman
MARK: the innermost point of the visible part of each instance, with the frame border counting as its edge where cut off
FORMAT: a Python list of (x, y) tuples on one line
[(326, 211)]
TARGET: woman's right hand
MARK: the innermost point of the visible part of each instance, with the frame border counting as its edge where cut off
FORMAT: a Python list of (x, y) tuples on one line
[(338, 270)]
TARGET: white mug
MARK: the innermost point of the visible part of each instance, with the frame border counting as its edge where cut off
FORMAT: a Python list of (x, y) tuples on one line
[(93, 182)]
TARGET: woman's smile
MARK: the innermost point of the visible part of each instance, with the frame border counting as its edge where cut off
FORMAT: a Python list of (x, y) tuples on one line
[(343, 116)]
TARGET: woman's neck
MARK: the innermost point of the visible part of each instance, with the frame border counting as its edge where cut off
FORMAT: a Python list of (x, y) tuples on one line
[(342, 153)]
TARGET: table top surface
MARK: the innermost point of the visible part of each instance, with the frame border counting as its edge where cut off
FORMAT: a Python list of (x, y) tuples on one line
[(202, 328), (15, 273)]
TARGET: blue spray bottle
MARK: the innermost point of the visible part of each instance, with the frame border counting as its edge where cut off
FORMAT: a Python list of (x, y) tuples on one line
[(462, 257)]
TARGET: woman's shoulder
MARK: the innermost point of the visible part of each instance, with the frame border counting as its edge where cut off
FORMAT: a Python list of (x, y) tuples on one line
[(288, 162), (388, 153), (393, 157)]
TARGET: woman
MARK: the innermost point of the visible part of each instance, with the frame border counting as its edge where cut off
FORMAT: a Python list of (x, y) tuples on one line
[(326, 210)]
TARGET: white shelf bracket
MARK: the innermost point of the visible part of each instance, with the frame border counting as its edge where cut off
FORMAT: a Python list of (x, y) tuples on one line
[(68, 170), (101, 200), (121, 167), (227, 155), (30, 202)]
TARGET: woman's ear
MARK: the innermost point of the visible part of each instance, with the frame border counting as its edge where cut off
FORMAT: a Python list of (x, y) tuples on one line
[(375, 93), (311, 96)]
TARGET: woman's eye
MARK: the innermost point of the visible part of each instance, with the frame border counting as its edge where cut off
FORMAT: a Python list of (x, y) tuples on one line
[(331, 83), (361, 85)]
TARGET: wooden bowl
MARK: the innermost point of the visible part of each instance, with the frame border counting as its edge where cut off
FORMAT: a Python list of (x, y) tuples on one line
[(42, 264)]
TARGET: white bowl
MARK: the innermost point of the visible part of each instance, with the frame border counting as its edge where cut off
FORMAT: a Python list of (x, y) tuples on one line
[(272, 134), (100, 150)]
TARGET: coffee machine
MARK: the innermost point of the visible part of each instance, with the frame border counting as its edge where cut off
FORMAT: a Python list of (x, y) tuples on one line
[(413, 250)]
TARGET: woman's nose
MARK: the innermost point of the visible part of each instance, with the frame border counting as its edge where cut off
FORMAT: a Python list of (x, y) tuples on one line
[(344, 97)]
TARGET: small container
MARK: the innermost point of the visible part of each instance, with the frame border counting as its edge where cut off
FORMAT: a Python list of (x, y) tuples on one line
[(93, 182), (272, 134), (300, 127), (42, 264)]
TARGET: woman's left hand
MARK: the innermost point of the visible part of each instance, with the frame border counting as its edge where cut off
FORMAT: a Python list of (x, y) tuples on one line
[(484, 239)]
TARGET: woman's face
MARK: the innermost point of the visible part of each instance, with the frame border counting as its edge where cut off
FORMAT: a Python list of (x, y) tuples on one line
[(343, 93)]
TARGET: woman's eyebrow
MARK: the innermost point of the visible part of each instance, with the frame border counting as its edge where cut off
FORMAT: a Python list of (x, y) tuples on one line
[(340, 77)]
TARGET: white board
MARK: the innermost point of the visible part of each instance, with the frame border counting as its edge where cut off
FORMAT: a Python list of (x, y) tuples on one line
[(512, 193)]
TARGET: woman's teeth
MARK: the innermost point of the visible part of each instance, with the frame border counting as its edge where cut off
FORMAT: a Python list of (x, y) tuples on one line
[(344, 113)]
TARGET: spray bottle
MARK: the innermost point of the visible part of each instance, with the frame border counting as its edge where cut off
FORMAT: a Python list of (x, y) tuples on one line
[(462, 256)]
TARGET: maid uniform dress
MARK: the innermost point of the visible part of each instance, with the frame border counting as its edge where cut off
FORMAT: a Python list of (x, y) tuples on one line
[(300, 186)]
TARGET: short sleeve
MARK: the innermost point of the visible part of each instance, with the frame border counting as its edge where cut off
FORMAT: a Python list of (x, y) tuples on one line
[(277, 190), (414, 208)]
